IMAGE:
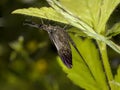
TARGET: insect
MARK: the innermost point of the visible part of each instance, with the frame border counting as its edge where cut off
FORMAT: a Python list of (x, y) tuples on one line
[(61, 40)]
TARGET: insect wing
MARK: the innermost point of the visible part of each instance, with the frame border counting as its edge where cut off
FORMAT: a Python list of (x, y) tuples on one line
[(59, 38)]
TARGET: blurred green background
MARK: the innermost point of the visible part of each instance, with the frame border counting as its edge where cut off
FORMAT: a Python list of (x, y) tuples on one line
[(27, 57)]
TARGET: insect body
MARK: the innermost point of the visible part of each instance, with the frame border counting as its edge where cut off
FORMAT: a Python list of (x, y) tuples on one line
[(61, 40)]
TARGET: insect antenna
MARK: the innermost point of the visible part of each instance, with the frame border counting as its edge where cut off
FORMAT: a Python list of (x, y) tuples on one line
[(31, 24)]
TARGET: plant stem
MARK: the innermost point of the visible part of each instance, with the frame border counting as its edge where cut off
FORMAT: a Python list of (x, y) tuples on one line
[(106, 65)]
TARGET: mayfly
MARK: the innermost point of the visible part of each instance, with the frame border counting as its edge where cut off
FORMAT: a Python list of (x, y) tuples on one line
[(60, 39)]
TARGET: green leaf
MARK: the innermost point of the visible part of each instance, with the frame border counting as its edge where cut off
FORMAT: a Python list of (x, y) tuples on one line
[(64, 16), (115, 30), (116, 83), (44, 12), (85, 10), (49, 13), (83, 26), (76, 31), (90, 18), (87, 74), (94, 14)]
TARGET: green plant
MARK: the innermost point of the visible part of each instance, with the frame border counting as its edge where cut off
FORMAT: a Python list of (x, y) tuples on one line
[(89, 17)]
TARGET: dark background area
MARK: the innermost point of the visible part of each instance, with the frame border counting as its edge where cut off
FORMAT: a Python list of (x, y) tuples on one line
[(27, 57)]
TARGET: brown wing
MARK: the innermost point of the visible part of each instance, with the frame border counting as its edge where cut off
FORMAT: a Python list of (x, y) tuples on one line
[(59, 38)]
